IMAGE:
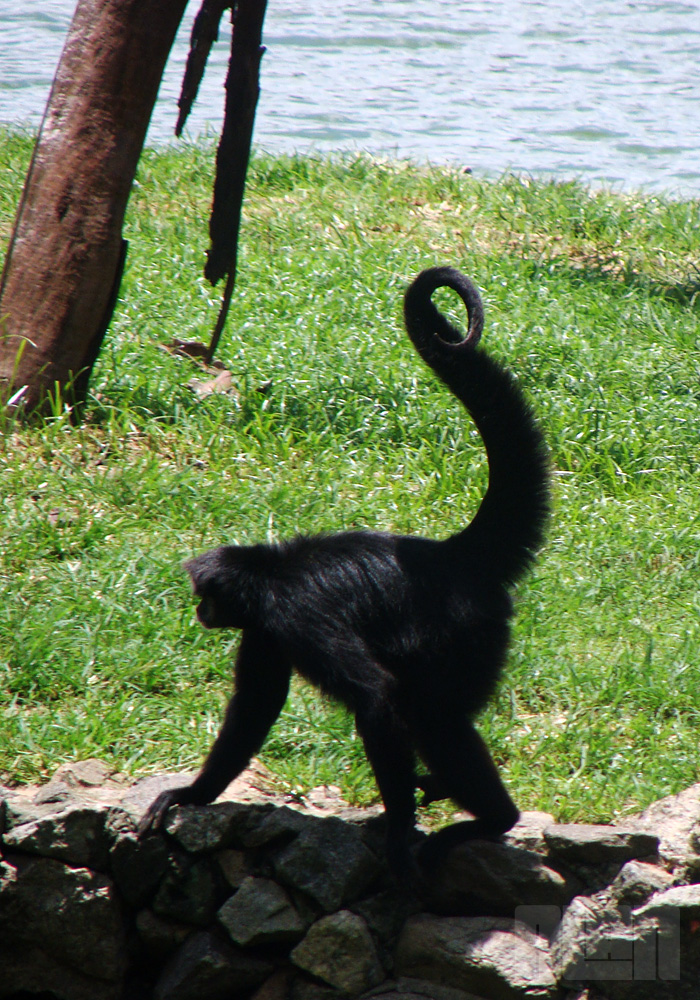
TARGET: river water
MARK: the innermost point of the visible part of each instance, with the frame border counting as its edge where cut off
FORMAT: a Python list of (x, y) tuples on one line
[(605, 91)]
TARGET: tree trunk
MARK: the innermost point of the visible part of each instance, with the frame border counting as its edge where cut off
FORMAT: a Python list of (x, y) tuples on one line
[(63, 265)]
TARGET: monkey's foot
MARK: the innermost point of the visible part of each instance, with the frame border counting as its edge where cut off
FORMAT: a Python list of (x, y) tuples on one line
[(438, 845)]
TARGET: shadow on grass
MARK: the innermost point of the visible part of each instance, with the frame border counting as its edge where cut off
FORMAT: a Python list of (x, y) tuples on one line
[(611, 272)]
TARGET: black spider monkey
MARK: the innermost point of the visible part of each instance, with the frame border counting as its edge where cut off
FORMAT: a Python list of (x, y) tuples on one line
[(409, 633)]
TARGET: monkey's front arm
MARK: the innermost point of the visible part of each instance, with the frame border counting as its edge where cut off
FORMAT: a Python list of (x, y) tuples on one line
[(262, 685)]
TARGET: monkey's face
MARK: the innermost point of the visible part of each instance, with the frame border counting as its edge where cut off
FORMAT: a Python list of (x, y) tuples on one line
[(207, 612), (216, 611)]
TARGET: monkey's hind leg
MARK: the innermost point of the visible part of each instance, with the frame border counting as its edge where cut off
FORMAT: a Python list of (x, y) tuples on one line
[(392, 759), (432, 788), (457, 755)]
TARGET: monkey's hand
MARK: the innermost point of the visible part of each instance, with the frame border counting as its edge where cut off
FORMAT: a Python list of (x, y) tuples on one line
[(154, 817), (433, 790)]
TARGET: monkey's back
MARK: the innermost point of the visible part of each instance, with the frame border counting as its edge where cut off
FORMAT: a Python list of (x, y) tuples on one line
[(408, 605)]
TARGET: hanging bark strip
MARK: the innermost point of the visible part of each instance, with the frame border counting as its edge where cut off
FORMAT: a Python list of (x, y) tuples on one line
[(205, 31), (242, 91), (63, 264)]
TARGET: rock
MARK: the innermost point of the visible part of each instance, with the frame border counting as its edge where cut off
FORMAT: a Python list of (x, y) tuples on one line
[(595, 843), (675, 820), (75, 834), (681, 900), (234, 866), (327, 800), (617, 950), (90, 773), (339, 950), (137, 866), (70, 780), (254, 875), (387, 912), (261, 912), (305, 988), (70, 915), (139, 796), (32, 974), (212, 828), (637, 881), (329, 862), (276, 987), (591, 943), (652, 953), (406, 988), (280, 825), (159, 937), (493, 957), (252, 787), (188, 893), (528, 831), (481, 877), (205, 967)]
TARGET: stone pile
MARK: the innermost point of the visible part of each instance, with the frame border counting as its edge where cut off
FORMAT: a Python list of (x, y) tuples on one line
[(254, 899)]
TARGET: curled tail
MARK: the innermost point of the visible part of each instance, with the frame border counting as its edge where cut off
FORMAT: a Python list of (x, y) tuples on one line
[(508, 527)]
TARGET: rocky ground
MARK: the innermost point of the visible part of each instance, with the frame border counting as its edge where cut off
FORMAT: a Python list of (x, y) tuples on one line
[(257, 897)]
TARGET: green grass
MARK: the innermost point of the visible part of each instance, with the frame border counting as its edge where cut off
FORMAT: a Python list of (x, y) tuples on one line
[(592, 298)]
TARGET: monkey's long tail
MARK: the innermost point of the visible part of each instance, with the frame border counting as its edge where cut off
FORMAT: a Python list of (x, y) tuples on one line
[(508, 527)]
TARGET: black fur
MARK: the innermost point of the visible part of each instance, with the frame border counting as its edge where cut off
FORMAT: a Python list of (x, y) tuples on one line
[(409, 633)]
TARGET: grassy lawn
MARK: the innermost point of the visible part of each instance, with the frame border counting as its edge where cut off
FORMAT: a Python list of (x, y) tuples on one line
[(591, 297)]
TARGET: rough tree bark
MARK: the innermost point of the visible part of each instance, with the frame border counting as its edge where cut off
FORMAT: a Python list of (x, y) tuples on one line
[(242, 92), (63, 265)]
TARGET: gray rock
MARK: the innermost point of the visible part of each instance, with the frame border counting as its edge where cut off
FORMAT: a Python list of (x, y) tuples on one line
[(648, 954), (215, 827), (63, 930), (19, 809), (615, 949), (675, 820), (188, 892), (31, 972), (75, 834), (594, 843), (160, 937), (683, 900), (387, 912), (261, 912), (637, 881), (591, 942), (277, 987), (205, 967), (481, 877), (70, 915), (528, 831), (280, 825), (329, 862), (304, 988), (406, 988), (139, 796), (90, 773), (137, 866), (234, 866), (339, 950), (493, 957), (70, 781)]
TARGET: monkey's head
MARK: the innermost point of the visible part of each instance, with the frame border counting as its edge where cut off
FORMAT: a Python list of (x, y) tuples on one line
[(223, 580)]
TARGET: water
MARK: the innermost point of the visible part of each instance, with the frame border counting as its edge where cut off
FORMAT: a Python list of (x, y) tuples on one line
[(604, 91)]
